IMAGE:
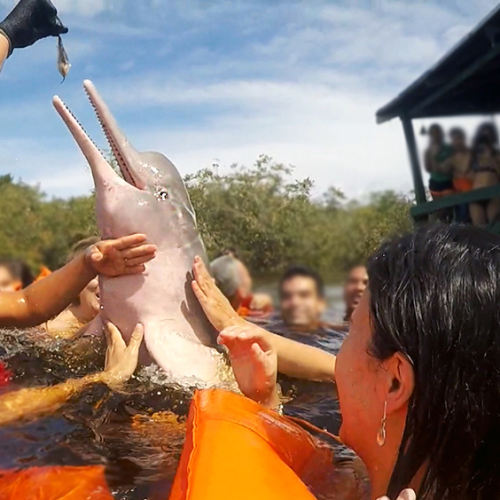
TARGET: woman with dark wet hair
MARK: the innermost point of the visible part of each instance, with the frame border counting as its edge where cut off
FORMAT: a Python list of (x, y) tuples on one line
[(418, 376)]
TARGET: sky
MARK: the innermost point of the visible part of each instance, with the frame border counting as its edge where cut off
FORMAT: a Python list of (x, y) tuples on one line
[(219, 81)]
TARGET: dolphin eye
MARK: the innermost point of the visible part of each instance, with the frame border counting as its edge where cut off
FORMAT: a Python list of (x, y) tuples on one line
[(162, 195)]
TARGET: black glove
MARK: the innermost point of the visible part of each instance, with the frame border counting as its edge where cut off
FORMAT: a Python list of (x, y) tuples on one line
[(30, 21)]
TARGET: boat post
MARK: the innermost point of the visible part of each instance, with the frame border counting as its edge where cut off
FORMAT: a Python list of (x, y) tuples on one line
[(411, 144)]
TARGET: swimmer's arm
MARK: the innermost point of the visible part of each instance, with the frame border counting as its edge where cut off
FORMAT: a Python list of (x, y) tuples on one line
[(38, 401), (302, 361), (121, 362), (46, 298), (294, 359)]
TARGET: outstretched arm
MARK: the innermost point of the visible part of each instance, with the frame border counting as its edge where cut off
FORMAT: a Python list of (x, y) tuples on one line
[(46, 298), (294, 359), (4, 49), (121, 362), (302, 361)]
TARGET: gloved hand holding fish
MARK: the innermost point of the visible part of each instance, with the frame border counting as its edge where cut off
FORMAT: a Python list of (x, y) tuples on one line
[(30, 21)]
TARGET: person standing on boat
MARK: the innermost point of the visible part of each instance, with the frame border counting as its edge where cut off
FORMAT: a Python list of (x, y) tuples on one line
[(485, 163), (460, 161), (436, 163), (459, 164)]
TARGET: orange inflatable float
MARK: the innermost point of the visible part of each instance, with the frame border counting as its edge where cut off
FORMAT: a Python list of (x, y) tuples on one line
[(236, 449), (55, 483)]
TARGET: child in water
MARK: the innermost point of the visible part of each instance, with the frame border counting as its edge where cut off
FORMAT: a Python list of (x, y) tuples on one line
[(84, 308), (46, 298)]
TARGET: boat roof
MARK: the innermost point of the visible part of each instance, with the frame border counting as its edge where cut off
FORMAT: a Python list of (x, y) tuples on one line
[(466, 81)]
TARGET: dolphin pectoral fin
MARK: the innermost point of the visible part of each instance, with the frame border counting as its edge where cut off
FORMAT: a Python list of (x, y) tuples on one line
[(94, 328)]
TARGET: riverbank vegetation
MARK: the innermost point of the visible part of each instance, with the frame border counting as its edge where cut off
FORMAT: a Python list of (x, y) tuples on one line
[(263, 211)]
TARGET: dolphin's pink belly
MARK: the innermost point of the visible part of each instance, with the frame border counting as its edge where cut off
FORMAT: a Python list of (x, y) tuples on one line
[(176, 337)]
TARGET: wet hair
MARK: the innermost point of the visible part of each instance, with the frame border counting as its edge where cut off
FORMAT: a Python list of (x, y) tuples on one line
[(19, 270), (435, 298), (304, 272), (226, 275), (80, 247)]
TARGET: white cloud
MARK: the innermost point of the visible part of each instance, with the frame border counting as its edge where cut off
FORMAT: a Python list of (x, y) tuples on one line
[(303, 89)]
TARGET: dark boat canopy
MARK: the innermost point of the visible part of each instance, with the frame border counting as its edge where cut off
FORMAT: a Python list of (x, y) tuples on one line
[(464, 82)]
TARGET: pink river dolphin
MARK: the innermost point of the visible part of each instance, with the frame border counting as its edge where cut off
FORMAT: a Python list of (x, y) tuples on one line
[(151, 198)]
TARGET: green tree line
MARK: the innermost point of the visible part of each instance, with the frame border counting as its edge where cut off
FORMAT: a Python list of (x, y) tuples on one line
[(265, 213)]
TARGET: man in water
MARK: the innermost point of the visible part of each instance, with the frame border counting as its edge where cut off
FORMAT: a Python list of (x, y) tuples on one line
[(302, 304), (302, 299), (235, 282), (354, 286)]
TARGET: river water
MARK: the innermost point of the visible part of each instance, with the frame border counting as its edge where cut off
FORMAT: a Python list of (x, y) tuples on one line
[(136, 434)]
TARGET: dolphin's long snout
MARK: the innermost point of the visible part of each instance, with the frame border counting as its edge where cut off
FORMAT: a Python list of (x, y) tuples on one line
[(127, 157), (101, 170)]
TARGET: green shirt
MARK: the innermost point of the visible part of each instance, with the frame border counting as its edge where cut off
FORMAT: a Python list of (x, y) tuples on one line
[(445, 152)]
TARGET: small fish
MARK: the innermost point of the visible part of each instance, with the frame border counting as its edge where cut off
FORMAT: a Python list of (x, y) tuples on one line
[(63, 64)]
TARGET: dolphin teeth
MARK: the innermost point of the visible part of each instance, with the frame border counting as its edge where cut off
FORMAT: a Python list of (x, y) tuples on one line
[(82, 127), (116, 152)]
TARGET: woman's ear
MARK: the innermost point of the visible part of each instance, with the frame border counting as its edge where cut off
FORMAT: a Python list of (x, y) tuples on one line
[(400, 381)]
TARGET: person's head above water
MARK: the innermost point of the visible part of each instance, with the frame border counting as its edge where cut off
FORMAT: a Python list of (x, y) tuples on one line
[(233, 279), (418, 376), (14, 275), (231, 251), (354, 286), (302, 298)]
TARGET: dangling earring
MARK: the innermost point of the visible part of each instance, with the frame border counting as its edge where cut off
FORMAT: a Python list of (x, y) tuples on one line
[(381, 432)]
